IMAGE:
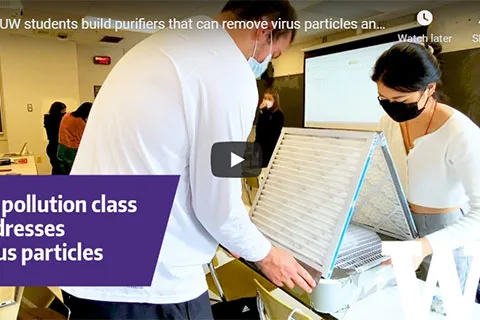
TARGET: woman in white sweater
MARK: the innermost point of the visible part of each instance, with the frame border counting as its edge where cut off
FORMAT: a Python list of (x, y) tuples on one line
[(440, 148)]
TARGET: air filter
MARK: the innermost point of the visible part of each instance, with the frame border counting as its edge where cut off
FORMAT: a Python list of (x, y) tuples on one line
[(382, 206), (360, 250), (316, 182)]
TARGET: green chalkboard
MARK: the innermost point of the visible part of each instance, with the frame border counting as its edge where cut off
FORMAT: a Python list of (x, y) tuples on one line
[(461, 81)]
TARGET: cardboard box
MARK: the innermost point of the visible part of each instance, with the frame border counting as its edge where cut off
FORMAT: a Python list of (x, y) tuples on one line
[(39, 314)]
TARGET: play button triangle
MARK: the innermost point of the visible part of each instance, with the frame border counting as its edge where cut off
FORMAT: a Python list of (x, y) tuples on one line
[(234, 159)]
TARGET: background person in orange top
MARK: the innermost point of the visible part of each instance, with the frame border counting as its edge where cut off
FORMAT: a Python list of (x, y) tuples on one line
[(70, 134)]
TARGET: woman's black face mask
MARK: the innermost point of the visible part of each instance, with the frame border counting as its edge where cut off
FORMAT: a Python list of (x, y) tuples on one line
[(401, 111)]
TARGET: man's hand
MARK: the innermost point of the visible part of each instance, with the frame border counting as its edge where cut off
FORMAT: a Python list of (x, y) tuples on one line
[(282, 269)]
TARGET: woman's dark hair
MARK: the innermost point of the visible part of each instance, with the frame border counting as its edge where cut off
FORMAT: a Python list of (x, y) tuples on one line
[(83, 111), (57, 108), (409, 67), (274, 10)]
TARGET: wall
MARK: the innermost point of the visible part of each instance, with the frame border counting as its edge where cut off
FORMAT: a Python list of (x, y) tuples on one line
[(291, 61), (35, 71), (3, 146), (90, 74), (3, 135), (454, 20), (40, 71), (449, 20)]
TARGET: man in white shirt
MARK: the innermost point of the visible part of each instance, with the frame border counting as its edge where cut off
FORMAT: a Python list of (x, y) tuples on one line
[(160, 110)]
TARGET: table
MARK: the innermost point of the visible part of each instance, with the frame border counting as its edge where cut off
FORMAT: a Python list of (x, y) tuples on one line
[(294, 297), (11, 312), (384, 304), (29, 168)]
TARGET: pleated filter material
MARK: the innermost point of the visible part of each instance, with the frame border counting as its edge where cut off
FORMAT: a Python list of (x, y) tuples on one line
[(382, 206), (361, 249), (309, 194), (306, 199)]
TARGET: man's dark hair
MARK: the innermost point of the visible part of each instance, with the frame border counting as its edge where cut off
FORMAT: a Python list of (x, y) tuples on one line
[(254, 10)]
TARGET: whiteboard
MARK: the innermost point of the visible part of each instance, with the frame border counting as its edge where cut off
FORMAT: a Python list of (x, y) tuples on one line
[(339, 92)]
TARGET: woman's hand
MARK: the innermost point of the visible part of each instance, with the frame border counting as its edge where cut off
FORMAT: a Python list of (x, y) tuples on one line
[(263, 105), (426, 250)]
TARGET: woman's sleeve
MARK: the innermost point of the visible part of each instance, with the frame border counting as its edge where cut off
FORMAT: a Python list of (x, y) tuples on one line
[(258, 127), (278, 122), (80, 128), (281, 121), (463, 156)]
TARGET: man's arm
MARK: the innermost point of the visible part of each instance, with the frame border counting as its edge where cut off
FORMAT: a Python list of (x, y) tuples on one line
[(218, 205), (217, 202)]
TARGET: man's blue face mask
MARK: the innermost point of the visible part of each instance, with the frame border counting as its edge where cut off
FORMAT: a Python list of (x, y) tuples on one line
[(257, 67)]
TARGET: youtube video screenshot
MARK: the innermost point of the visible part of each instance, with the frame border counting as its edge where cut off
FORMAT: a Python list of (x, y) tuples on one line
[(229, 159)]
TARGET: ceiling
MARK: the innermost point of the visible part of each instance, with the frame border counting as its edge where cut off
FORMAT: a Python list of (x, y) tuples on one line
[(127, 10)]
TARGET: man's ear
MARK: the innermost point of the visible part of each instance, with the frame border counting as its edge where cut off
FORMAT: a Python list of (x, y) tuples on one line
[(265, 33), (432, 87), (268, 25)]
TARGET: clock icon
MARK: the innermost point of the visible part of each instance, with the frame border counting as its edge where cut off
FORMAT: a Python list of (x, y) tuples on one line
[(425, 17)]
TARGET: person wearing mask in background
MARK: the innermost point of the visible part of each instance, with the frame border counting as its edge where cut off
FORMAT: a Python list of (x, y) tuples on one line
[(269, 125), (69, 136), (166, 123), (440, 153), (51, 122)]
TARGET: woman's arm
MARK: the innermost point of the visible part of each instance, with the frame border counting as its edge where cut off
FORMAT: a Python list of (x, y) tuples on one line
[(259, 127), (78, 130), (277, 123), (280, 120), (463, 156)]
